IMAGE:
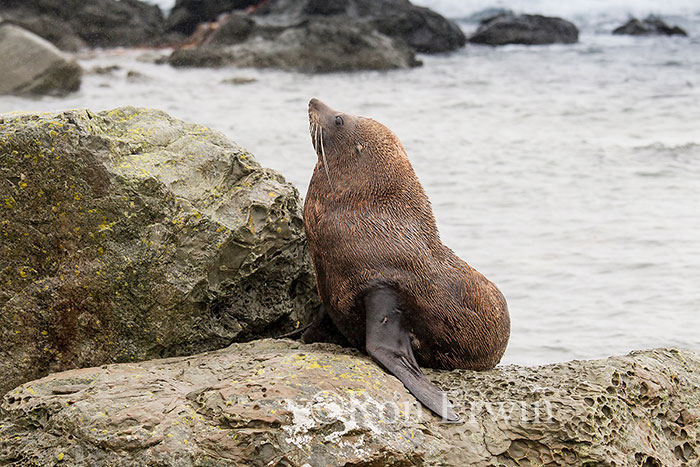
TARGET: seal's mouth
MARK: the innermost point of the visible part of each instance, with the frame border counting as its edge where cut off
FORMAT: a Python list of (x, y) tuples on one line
[(316, 130)]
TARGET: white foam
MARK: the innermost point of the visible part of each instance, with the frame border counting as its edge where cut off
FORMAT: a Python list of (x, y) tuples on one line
[(462, 8)]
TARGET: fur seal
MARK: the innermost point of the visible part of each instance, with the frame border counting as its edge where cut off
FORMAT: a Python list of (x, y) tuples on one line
[(384, 277)]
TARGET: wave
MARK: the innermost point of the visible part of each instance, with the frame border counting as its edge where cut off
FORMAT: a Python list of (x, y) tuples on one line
[(164, 5), (617, 8)]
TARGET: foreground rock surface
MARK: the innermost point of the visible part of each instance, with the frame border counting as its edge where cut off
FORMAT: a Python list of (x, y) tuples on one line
[(129, 235), (525, 29), (283, 403), (31, 65), (650, 26), (72, 24)]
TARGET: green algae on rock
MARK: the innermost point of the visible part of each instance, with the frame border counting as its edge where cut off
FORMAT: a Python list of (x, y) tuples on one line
[(279, 402), (129, 235)]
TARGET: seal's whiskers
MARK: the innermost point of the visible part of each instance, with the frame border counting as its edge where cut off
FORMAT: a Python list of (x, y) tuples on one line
[(325, 163)]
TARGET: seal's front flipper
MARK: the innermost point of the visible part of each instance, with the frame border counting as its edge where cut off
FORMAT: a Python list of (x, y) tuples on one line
[(322, 329), (389, 343)]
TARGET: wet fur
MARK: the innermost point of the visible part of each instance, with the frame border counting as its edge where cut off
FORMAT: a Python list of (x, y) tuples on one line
[(369, 224)]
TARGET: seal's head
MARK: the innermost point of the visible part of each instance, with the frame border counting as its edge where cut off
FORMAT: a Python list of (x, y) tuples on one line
[(333, 133), (346, 144)]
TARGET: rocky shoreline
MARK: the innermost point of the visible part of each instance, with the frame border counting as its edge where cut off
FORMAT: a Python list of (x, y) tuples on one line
[(129, 236), (278, 402), (308, 36)]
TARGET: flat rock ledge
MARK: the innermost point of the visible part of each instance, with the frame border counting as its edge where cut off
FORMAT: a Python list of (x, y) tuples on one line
[(279, 402)]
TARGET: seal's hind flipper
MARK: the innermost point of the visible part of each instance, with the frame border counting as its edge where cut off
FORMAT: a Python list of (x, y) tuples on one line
[(389, 343)]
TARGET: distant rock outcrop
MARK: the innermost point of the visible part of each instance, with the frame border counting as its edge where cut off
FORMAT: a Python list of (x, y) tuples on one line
[(321, 36), (187, 14), (420, 28), (313, 46), (486, 13), (129, 235), (71, 24), (650, 26), (524, 29), (31, 65), (283, 403)]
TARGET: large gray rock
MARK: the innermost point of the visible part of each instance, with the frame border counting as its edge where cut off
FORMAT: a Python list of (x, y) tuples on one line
[(486, 13), (320, 36), (129, 235), (420, 28), (71, 24), (650, 26), (282, 403), (524, 29), (316, 45), (32, 65)]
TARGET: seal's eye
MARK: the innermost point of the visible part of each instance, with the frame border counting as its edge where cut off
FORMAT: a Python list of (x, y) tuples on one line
[(339, 121)]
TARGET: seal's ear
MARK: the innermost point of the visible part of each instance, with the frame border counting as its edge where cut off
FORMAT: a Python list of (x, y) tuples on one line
[(358, 148)]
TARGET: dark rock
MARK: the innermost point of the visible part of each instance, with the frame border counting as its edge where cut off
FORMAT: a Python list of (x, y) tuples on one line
[(187, 14), (524, 29), (321, 36), (133, 76), (651, 26), (278, 402), (205, 57), (128, 235), (105, 70), (325, 7), (239, 80), (71, 24), (236, 29), (59, 33), (47, 71), (421, 28), (486, 13), (328, 44)]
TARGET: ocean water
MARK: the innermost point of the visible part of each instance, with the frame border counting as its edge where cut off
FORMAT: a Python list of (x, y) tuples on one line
[(567, 174)]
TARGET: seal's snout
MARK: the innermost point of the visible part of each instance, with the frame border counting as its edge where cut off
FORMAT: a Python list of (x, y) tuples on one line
[(318, 107), (313, 105)]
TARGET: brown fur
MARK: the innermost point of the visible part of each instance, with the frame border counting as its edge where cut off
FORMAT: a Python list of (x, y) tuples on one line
[(371, 224)]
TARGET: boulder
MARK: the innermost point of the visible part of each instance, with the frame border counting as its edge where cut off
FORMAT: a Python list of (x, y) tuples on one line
[(32, 65), (421, 28), (235, 29), (58, 32), (187, 14), (278, 402), (486, 13), (524, 29), (320, 36), (314, 45), (71, 24), (650, 26), (129, 235)]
